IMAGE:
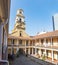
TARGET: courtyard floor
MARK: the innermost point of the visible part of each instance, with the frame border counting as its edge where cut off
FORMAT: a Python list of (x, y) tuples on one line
[(23, 60)]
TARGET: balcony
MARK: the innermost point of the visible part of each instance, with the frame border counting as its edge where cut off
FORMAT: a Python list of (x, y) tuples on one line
[(21, 45), (48, 47), (10, 45)]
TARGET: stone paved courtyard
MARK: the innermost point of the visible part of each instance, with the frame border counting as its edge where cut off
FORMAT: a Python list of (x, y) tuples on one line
[(22, 60)]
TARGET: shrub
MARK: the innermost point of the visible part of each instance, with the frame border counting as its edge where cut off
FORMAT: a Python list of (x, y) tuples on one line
[(43, 57)]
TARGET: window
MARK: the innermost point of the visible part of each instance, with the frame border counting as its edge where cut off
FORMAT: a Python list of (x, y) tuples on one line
[(20, 42), (20, 19), (27, 43), (46, 40), (30, 43), (33, 50), (13, 41), (33, 42), (37, 40), (20, 33), (42, 41), (20, 12)]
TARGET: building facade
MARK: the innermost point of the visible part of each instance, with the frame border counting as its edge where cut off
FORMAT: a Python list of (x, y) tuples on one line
[(37, 46), (4, 23)]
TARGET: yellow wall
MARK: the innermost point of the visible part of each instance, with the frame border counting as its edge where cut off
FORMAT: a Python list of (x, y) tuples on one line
[(9, 50), (9, 41), (55, 54), (55, 43), (49, 54), (15, 41), (15, 50)]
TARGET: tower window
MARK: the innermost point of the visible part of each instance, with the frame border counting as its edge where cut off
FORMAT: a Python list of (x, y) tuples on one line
[(20, 33), (20, 19), (20, 12)]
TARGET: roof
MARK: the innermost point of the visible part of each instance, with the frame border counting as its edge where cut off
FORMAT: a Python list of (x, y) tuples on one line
[(48, 34), (24, 38), (45, 35)]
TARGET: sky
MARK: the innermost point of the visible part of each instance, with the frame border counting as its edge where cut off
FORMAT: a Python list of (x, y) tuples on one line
[(38, 14)]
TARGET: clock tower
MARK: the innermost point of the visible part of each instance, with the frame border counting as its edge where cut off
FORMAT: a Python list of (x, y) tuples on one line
[(19, 27)]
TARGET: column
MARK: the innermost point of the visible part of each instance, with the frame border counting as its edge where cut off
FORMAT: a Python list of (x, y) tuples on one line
[(45, 46), (51, 41), (57, 55), (40, 52), (29, 47), (45, 53), (35, 51), (35, 47), (29, 51), (25, 46), (1, 34), (17, 45), (32, 51), (45, 42), (5, 45), (12, 47), (52, 56), (40, 42), (29, 43)]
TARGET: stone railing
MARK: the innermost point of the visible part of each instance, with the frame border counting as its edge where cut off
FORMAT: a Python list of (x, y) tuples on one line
[(4, 62)]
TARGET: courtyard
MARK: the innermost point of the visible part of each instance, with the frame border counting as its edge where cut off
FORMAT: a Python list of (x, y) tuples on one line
[(23, 60)]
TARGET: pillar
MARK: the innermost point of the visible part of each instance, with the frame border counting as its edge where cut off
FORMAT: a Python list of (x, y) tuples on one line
[(40, 52), (5, 45), (45, 53), (45, 42), (35, 51), (40, 42), (29, 51), (32, 51), (25, 46), (12, 48), (1, 37), (57, 55), (52, 56), (17, 45), (51, 41)]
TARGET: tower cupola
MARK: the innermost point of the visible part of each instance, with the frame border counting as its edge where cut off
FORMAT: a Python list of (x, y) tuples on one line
[(20, 17)]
